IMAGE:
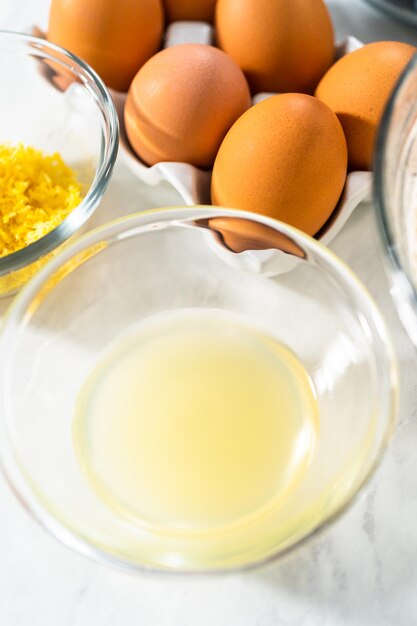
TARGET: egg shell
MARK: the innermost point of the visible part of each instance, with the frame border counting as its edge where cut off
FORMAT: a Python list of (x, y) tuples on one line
[(179, 10), (286, 158), (182, 103), (240, 235), (115, 38), (281, 45), (357, 89)]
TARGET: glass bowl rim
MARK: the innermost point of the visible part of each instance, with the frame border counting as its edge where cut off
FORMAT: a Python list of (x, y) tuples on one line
[(79, 215), (115, 230), (402, 279)]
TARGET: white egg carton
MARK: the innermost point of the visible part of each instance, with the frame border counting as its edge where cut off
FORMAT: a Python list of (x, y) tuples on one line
[(193, 184)]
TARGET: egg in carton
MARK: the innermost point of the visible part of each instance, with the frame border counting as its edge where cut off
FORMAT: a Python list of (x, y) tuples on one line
[(193, 184), (236, 242)]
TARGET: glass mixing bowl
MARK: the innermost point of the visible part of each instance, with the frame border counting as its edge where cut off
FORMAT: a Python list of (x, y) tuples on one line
[(53, 101), (104, 283), (395, 194), (404, 10)]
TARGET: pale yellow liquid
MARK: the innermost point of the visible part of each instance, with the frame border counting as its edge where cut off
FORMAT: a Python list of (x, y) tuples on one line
[(195, 421)]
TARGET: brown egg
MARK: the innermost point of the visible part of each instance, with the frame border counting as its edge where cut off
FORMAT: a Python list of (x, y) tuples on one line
[(240, 235), (115, 38), (281, 45), (202, 10), (182, 103), (357, 89), (286, 158)]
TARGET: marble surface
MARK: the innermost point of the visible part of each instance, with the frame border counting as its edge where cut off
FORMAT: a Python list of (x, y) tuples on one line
[(361, 572)]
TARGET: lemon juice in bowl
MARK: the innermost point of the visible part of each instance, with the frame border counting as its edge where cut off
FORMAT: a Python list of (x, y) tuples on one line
[(195, 421)]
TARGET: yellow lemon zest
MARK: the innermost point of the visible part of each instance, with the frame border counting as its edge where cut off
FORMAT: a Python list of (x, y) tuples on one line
[(37, 192)]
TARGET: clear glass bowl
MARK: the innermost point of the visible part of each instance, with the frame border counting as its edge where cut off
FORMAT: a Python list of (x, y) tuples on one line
[(105, 282), (396, 195), (53, 101), (404, 10)]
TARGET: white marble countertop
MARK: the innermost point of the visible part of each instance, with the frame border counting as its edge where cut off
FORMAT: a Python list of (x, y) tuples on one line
[(361, 572)]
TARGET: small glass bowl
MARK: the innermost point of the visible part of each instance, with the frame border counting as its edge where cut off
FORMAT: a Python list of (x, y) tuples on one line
[(164, 260), (53, 101), (395, 193)]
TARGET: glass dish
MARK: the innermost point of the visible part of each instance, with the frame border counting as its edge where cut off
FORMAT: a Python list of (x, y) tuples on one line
[(404, 10), (396, 195), (170, 259), (53, 101)]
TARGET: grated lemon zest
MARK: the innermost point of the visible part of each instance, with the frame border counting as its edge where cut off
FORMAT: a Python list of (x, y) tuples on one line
[(37, 192)]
